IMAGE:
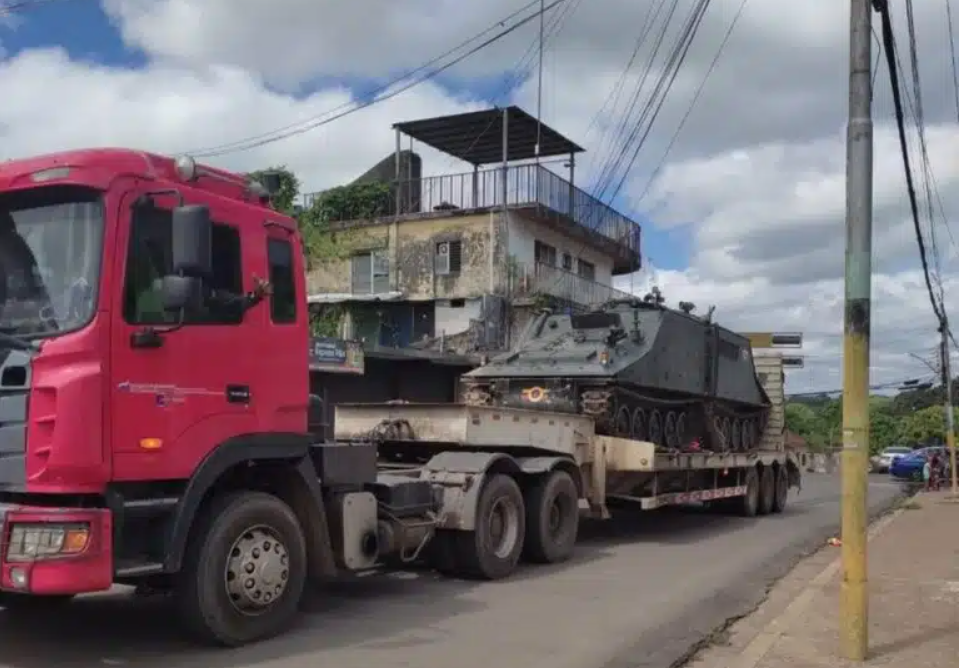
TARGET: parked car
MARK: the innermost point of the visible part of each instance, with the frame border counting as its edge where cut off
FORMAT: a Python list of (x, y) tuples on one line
[(909, 467), (882, 462)]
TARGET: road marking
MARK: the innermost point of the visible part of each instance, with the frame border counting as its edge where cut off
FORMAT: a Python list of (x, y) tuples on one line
[(757, 649)]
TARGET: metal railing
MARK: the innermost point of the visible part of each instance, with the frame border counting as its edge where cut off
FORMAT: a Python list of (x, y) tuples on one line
[(526, 186), (529, 280)]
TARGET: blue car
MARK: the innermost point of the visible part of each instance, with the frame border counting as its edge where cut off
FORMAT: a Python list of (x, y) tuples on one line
[(909, 467)]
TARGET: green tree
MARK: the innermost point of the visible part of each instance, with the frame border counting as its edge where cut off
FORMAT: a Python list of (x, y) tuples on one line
[(285, 199)]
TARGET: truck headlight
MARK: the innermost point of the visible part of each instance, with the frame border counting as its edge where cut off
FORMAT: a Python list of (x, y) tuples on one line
[(32, 542)]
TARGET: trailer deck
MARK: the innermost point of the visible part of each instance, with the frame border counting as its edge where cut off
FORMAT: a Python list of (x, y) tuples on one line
[(611, 467)]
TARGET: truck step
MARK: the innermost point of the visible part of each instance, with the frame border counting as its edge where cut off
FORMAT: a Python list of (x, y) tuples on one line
[(127, 569)]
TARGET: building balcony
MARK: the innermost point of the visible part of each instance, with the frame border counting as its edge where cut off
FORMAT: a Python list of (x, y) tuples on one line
[(489, 139), (531, 281), (531, 189)]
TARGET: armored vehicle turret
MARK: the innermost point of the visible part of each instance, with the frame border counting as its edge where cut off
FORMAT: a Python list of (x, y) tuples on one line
[(640, 369)]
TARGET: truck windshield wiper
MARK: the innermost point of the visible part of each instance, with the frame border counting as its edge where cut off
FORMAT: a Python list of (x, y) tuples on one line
[(17, 342)]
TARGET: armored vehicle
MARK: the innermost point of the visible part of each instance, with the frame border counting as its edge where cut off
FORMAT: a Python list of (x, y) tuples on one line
[(640, 369)]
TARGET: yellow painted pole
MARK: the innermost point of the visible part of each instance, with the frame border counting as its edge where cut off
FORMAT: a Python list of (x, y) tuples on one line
[(854, 597), (950, 411)]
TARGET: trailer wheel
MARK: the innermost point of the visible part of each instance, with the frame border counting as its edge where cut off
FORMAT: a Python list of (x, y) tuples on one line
[(782, 490), (244, 571), (552, 519), (767, 491), (492, 551), (749, 504)]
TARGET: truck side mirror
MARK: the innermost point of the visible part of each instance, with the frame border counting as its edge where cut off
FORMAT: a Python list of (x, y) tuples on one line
[(192, 241), (180, 292)]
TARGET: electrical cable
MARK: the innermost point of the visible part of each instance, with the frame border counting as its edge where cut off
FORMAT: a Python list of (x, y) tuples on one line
[(649, 20), (889, 46), (382, 93), (618, 138), (692, 104), (657, 99)]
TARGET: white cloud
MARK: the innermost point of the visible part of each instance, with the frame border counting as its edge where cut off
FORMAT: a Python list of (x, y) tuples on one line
[(756, 178)]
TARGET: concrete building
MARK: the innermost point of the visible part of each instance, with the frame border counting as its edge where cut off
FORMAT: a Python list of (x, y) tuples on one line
[(459, 261)]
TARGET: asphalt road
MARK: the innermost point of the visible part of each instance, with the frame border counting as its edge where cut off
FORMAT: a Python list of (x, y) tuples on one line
[(642, 589)]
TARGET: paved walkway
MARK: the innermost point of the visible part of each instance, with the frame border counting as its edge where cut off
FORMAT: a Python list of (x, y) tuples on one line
[(914, 601)]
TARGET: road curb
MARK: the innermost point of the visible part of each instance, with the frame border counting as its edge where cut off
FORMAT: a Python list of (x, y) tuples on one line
[(759, 646)]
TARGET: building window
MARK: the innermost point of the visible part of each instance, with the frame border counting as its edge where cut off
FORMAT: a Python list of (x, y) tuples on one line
[(567, 262), (448, 258), (586, 270), (544, 254), (279, 253), (370, 273), (150, 258)]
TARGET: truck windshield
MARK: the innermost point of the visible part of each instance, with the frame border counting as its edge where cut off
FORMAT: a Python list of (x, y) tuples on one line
[(50, 242)]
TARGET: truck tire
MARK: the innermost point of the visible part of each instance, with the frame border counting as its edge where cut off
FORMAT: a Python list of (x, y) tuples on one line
[(749, 503), (492, 551), (767, 491), (552, 519), (782, 490), (244, 570), (26, 603)]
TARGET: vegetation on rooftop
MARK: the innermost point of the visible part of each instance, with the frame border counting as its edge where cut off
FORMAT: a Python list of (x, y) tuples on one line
[(321, 244)]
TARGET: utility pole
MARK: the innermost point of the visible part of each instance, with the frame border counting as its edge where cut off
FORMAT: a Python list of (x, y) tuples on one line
[(950, 413), (854, 599)]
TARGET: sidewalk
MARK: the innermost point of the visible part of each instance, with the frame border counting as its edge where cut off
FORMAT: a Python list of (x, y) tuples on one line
[(913, 593)]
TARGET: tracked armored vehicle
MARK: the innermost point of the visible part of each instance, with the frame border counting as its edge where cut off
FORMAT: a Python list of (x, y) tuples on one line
[(640, 369)]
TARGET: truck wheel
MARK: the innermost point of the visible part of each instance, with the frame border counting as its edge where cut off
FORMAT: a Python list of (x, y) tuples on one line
[(492, 551), (244, 570), (767, 491), (749, 504), (782, 490), (552, 519), (14, 602)]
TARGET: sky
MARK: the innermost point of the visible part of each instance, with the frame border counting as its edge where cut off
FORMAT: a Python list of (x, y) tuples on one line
[(743, 211)]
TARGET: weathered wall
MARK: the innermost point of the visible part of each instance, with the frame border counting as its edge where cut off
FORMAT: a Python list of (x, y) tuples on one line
[(524, 233), (333, 276), (416, 249)]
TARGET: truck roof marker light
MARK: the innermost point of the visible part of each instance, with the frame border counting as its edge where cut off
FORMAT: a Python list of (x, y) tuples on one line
[(50, 174), (186, 167), (151, 443)]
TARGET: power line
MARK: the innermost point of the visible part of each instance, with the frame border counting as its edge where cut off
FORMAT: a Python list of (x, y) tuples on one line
[(889, 46), (952, 55), (8, 8), (657, 98), (614, 94), (606, 173), (902, 385), (384, 92), (696, 96)]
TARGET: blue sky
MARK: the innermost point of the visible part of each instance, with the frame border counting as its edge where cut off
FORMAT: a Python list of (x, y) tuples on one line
[(82, 28)]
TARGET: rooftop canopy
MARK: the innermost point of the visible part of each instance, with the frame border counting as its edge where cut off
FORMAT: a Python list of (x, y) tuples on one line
[(477, 137)]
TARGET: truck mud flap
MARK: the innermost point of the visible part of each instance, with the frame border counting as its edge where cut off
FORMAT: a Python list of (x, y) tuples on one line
[(459, 477)]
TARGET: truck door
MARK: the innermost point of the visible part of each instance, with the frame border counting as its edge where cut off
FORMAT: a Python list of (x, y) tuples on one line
[(286, 382), (177, 389)]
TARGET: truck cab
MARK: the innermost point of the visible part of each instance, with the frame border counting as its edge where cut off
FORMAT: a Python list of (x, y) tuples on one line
[(142, 359)]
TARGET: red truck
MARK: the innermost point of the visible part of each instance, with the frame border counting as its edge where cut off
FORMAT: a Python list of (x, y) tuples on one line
[(154, 402)]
